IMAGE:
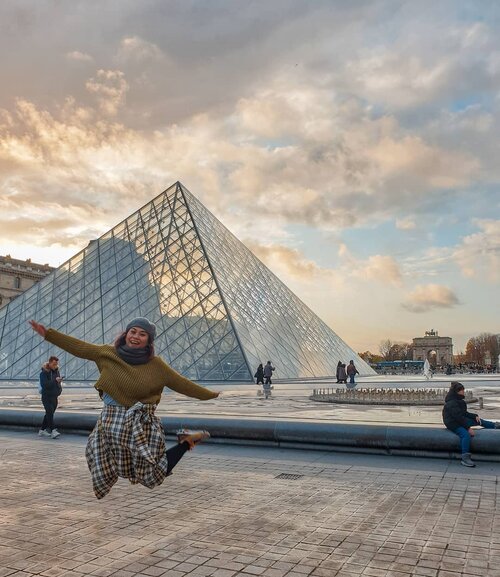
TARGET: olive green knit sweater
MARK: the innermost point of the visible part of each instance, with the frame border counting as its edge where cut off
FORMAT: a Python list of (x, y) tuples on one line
[(126, 383)]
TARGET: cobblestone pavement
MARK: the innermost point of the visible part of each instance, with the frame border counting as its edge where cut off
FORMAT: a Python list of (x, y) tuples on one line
[(225, 512)]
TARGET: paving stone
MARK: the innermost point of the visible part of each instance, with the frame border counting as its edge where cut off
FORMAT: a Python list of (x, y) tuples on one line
[(253, 570), (201, 571), (224, 513), (271, 572)]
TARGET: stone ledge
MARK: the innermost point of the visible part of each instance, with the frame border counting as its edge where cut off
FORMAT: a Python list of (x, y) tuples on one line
[(381, 439)]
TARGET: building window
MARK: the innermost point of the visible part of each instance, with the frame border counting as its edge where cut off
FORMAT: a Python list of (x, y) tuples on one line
[(17, 282)]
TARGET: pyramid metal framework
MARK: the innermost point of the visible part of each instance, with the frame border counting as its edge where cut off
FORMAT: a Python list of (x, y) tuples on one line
[(219, 311)]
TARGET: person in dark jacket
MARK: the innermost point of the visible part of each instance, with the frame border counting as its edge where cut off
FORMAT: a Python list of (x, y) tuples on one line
[(268, 373), (352, 371), (50, 389), (259, 375), (459, 420), (339, 364), (341, 373), (268, 384)]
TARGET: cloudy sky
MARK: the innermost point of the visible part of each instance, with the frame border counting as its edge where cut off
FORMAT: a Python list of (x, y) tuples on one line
[(353, 146)]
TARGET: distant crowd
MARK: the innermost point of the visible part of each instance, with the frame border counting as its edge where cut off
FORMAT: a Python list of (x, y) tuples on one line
[(410, 368)]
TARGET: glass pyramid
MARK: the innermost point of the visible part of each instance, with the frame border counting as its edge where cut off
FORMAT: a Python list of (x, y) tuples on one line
[(219, 311)]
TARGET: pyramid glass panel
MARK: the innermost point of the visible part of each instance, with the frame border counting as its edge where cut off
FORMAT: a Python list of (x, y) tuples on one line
[(270, 321), (219, 311)]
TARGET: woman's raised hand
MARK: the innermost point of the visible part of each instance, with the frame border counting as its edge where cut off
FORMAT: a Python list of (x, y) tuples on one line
[(38, 328)]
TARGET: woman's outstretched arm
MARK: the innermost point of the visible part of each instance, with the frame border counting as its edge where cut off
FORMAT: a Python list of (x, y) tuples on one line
[(180, 384), (73, 346)]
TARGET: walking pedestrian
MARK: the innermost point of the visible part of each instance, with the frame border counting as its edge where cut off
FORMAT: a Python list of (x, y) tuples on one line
[(50, 388), (351, 371), (339, 364), (128, 440), (458, 420), (259, 375), (268, 373), (342, 375)]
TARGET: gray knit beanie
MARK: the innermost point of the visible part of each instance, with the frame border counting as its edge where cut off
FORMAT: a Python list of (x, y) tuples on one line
[(143, 324)]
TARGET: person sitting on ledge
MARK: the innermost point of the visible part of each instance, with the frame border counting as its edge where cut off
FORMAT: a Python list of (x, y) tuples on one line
[(128, 439), (459, 421)]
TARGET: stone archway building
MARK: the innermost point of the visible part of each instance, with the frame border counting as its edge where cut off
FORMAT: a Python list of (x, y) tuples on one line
[(432, 342)]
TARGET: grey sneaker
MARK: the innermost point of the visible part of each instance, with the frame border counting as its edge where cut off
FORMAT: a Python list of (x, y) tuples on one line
[(55, 434), (43, 433), (467, 461)]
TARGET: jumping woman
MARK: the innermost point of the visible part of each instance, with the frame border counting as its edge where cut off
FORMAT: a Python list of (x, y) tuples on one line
[(128, 439)]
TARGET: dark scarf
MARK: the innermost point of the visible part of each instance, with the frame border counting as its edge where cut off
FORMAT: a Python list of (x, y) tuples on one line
[(133, 356)]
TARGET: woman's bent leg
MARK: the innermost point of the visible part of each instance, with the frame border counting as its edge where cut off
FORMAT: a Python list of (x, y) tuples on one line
[(175, 454)]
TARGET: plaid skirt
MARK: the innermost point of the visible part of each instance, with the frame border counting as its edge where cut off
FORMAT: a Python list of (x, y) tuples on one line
[(127, 443)]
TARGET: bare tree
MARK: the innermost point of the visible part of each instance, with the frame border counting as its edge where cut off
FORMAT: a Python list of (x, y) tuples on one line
[(478, 348), (385, 347)]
